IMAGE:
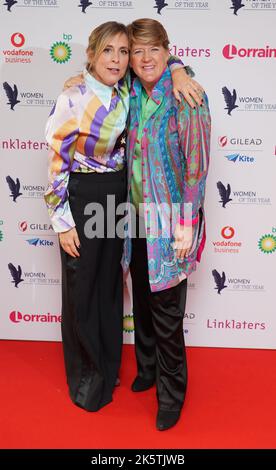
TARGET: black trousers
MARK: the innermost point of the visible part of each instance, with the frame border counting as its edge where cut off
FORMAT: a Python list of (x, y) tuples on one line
[(159, 339), (92, 297)]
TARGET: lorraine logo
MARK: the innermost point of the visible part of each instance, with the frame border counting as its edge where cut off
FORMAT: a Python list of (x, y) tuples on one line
[(224, 192), (230, 51), (159, 5), (230, 99), (267, 243), (84, 4), (128, 324), (9, 4), (17, 39), (14, 188), (227, 232), (236, 6), (15, 317), (16, 274), (11, 93), (219, 280), (60, 52)]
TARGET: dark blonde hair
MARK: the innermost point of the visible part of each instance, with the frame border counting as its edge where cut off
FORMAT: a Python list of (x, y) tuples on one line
[(99, 38), (148, 31)]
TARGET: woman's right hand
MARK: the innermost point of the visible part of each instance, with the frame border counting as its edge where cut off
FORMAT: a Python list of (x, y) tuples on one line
[(73, 81), (70, 242)]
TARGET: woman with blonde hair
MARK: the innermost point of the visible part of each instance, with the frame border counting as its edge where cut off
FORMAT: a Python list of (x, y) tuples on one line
[(86, 136)]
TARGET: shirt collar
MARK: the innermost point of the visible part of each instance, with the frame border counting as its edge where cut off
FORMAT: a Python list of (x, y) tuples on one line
[(103, 92)]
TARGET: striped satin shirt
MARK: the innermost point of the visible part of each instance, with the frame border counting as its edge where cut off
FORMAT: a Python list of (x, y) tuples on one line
[(85, 133)]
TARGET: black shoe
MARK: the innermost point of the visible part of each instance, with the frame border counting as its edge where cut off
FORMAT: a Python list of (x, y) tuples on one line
[(140, 384), (167, 419)]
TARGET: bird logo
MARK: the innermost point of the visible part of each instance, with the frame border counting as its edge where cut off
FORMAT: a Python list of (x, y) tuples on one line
[(219, 280), (84, 4), (224, 193), (11, 95), (9, 4), (230, 99), (15, 274), (160, 4), (236, 6), (14, 188)]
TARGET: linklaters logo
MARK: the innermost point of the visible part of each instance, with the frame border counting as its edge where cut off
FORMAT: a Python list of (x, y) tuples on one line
[(267, 243), (60, 52)]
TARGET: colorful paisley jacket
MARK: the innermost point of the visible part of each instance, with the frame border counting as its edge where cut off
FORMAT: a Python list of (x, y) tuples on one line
[(175, 148)]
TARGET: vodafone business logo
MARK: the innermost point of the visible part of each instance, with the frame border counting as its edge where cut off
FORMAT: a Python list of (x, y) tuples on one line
[(227, 232), (17, 40)]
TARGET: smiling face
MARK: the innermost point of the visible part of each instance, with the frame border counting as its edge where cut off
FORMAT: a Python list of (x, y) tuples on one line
[(111, 64), (148, 62)]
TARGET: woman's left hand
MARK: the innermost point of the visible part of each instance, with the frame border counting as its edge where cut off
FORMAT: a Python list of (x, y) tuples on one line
[(187, 86), (183, 237)]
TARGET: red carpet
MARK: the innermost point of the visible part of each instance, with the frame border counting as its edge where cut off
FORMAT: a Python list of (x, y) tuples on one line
[(230, 403)]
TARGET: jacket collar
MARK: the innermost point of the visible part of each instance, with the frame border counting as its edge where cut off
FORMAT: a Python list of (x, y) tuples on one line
[(159, 89)]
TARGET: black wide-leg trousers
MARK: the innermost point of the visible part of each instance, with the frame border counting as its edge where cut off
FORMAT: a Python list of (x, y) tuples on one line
[(92, 296), (159, 339)]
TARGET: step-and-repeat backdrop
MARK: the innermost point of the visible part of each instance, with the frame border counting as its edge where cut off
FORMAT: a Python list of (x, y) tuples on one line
[(231, 46)]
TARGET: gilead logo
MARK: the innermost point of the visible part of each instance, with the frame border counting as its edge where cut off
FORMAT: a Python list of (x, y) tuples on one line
[(17, 317), (230, 51), (23, 226), (17, 39), (223, 141)]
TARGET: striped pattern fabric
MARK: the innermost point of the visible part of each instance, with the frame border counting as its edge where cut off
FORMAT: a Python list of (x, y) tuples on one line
[(86, 133)]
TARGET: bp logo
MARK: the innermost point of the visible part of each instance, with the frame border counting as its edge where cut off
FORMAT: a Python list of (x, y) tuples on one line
[(267, 243), (128, 324), (1, 235), (60, 52)]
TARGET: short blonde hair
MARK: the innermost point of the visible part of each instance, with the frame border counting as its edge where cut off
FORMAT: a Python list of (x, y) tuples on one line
[(148, 31), (99, 38)]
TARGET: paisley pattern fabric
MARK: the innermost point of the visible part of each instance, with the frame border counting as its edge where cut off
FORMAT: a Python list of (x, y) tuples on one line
[(175, 147)]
